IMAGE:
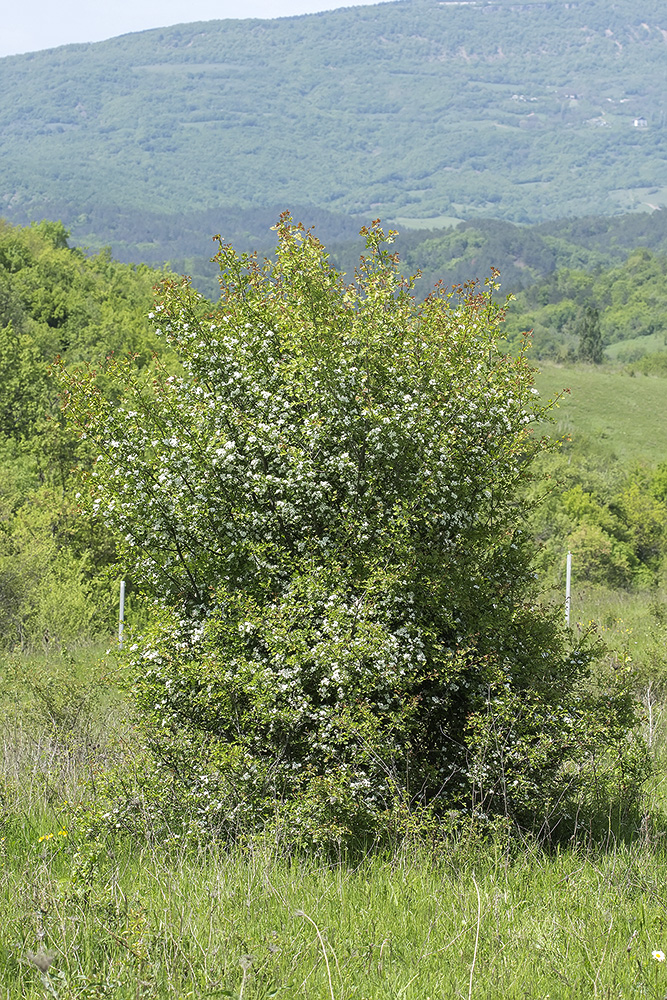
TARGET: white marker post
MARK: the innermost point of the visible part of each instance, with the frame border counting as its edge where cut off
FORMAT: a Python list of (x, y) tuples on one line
[(121, 615), (568, 581)]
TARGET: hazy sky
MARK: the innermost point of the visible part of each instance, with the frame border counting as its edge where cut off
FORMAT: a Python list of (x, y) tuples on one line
[(29, 25)]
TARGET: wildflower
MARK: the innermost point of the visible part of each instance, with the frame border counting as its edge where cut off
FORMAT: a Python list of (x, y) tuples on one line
[(659, 956), (45, 836)]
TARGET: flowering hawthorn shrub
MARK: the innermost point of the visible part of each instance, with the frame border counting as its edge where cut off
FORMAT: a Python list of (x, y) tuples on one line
[(325, 505)]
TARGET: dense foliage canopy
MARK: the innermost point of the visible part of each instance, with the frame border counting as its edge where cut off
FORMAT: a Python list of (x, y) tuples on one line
[(326, 507), (629, 297), (55, 301)]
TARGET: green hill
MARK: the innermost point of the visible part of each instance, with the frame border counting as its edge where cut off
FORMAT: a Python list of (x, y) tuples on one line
[(618, 416), (414, 111), (629, 298)]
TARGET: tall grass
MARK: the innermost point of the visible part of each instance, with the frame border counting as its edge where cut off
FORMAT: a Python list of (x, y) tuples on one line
[(471, 920), (463, 917)]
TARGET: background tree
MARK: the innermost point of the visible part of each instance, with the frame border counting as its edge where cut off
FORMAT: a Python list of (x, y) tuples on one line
[(326, 507), (54, 568), (590, 338)]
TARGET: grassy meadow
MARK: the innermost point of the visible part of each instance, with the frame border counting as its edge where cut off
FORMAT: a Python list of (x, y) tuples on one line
[(87, 911), (619, 414), (458, 916)]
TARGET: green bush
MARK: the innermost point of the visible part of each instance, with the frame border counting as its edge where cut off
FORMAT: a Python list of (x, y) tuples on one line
[(326, 508)]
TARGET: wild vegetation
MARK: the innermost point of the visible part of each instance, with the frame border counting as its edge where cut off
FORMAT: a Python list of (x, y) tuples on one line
[(349, 748), (55, 572), (327, 508), (110, 884)]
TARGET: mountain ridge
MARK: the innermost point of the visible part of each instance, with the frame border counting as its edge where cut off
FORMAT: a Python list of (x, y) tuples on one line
[(412, 110)]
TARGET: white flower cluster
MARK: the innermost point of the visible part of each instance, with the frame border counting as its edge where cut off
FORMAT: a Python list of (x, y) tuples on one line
[(278, 444), (330, 487)]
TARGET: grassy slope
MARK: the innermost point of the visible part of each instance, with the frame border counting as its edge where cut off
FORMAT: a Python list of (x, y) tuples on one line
[(624, 415), (621, 420)]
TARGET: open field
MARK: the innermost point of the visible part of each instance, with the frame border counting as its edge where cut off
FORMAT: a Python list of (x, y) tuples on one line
[(435, 222), (624, 416), (635, 347), (464, 921)]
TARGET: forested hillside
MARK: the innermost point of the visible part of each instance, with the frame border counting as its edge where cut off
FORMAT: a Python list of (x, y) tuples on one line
[(415, 111), (628, 299), (524, 254)]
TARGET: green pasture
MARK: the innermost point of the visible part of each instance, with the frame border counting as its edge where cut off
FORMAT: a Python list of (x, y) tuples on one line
[(633, 348), (622, 415), (433, 222)]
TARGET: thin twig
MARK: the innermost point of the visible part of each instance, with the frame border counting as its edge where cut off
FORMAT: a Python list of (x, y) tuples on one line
[(479, 920), (301, 913)]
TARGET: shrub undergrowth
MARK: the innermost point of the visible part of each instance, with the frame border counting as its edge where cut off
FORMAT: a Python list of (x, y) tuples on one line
[(327, 508)]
